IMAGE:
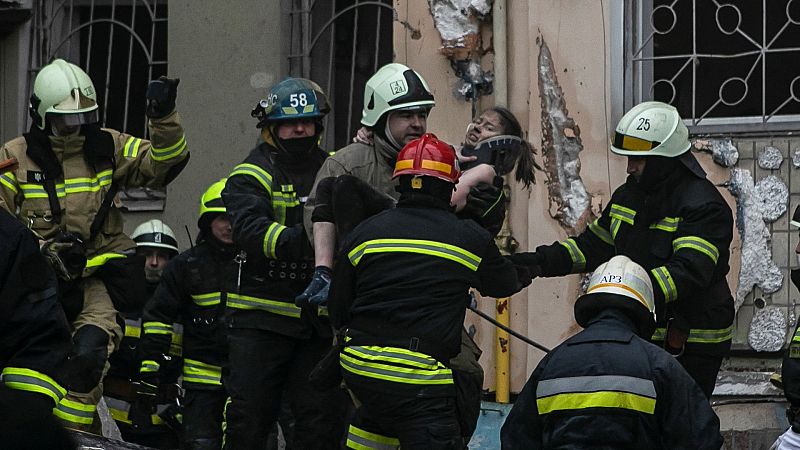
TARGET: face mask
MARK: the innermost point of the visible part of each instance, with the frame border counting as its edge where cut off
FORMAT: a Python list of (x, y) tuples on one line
[(152, 275), (299, 146)]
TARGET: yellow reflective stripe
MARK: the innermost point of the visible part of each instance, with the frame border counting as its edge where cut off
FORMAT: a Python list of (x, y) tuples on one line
[(425, 247), (666, 283), (395, 354), (9, 180), (119, 412), (102, 258), (698, 244), (162, 154), (83, 184), (700, 335), (133, 328), (31, 190), (359, 439), (601, 232), (199, 372), (615, 224), (131, 149), (289, 110), (271, 236), (437, 166), (600, 399), (74, 412), (261, 175), (148, 365), (371, 369), (246, 302), (176, 344), (575, 253), (622, 213), (669, 224), (157, 328), (209, 299), (24, 379)]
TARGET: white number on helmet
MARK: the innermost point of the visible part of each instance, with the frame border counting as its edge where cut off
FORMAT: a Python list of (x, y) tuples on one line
[(296, 100)]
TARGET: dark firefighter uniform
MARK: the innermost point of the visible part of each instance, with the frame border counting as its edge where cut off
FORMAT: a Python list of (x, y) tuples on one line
[(790, 370), (193, 291), (400, 288), (34, 342), (273, 344)]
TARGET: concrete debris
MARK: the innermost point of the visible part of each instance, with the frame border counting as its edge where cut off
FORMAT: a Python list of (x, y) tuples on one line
[(570, 203), (739, 383), (723, 152), (767, 330), (796, 159), (474, 81), (773, 195), (770, 158), (757, 267), (458, 22)]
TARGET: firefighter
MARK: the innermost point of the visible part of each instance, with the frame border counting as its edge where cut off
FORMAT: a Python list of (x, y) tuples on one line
[(790, 371), (192, 292), (273, 344), (607, 387), (63, 189), (671, 220), (34, 343), (400, 289), (156, 242)]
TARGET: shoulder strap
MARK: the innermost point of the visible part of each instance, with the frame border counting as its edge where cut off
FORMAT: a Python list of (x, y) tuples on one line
[(40, 152)]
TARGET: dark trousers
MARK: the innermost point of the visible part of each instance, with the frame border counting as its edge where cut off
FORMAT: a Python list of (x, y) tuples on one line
[(262, 367), (703, 369), (385, 421), (203, 418)]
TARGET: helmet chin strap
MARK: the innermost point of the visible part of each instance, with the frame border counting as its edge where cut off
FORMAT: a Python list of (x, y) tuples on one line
[(388, 133)]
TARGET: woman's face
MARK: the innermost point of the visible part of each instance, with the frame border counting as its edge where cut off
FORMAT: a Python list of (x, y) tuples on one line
[(485, 126)]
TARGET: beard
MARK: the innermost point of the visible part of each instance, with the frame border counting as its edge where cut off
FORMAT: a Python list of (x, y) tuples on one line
[(152, 275)]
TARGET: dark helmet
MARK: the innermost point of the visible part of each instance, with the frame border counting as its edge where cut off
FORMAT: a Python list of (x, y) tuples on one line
[(292, 98)]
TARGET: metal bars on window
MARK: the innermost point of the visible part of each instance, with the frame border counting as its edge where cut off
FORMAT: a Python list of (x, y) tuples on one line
[(727, 65)]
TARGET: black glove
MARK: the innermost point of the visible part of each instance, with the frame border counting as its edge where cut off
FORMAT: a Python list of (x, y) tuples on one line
[(524, 275), (161, 94), (144, 403), (486, 204), (528, 259), (66, 253), (317, 291)]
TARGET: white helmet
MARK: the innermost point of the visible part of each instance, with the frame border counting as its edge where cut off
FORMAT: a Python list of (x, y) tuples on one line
[(394, 86), (155, 233), (630, 288), (63, 91), (651, 129)]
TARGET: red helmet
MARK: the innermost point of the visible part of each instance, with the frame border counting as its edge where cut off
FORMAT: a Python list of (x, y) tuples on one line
[(429, 156)]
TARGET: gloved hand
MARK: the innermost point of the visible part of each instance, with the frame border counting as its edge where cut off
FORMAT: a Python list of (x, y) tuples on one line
[(528, 259), (316, 292), (66, 253), (524, 275), (161, 94), (144, 403), (486, 205)]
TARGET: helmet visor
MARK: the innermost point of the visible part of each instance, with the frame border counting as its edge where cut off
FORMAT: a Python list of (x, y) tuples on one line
[(73, 119)]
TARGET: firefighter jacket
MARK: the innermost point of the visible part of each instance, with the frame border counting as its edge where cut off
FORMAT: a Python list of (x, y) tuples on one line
[(80, 187), (682, 238), (373, 164), (34, 334), (606, 388), (264, 196), (401, 287), (192, 292)]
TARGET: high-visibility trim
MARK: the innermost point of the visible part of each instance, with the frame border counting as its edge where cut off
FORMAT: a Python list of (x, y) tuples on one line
[(32, 190), (209, 299), (176, 344), (431, 248), (271, 237), (261, 175), (148, 365), (601, 232), (796, 337), (246, 302), (359, 439), (619, 286), (99, 260), (199, 372), (133, 328), (131, 148), (700, 336), (395, 354), (375, 367), (698, 244), (74, 412), (666, 283), (9, 180), (669, 224), (404, 164), (289, 110), (615, 224), (575, 253), (24, 379), (84, 184), (119, 410), (599, 391), (174, 150), (633, 143), (157, 328), (437, 166), (622, 213)]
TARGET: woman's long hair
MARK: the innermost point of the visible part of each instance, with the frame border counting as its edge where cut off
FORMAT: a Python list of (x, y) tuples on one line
[(525, 163)]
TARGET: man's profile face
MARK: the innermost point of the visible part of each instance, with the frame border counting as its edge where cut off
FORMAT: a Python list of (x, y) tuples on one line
[(405, 126), (636, 165), (155, 260), (293, 129), (221, 229)]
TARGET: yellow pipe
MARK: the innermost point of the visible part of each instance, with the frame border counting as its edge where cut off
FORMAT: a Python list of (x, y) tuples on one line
[(502, 354)]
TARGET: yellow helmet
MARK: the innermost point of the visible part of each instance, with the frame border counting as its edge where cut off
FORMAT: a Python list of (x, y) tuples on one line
[(63, 91), (211, 201)]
